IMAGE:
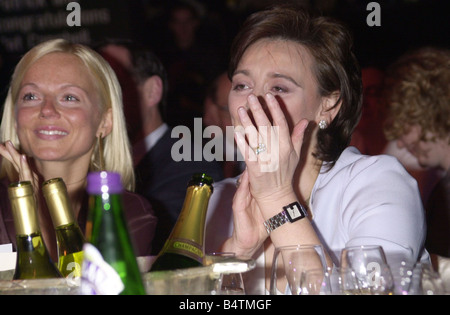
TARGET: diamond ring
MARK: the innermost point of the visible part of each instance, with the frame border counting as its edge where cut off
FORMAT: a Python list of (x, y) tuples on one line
[(260, 148)]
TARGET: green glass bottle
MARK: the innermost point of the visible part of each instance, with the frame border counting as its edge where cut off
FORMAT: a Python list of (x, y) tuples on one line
[(185, 246), (33, 260), (109, 265), (69, 237)]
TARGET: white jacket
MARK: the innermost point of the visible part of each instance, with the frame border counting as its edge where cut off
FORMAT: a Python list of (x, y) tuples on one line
[(362, 200)]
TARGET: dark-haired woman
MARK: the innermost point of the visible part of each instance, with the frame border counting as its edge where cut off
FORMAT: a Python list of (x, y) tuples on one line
[(294, 102)]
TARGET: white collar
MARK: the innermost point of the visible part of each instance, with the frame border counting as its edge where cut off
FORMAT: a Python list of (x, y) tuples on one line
[(146, 144), (152, 138)]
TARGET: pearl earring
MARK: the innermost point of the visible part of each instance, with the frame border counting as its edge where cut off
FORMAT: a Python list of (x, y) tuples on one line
[(323, 124)]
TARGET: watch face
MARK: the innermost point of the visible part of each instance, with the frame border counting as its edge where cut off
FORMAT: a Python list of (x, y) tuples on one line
[(294, 211)]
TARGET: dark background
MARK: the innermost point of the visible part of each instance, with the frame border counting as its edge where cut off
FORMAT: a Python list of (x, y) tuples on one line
[(24, 23)]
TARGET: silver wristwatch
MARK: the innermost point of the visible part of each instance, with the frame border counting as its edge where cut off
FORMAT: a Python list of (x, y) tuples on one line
[(291, 213)]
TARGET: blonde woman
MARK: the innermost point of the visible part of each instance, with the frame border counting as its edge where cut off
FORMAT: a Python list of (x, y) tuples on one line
[(64, 101)]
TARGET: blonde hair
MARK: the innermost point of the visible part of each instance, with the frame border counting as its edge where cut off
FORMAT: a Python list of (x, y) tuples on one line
[(117, 154), (417, 93)]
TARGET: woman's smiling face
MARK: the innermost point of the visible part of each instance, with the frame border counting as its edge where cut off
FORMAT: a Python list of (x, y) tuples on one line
[(58, 109)]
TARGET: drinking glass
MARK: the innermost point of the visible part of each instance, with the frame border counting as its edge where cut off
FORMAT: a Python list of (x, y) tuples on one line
[(401, 263), (343, 281), (431, 282), (315, 282), (403, 278), (230, 283), (290, 262), (370, 267)]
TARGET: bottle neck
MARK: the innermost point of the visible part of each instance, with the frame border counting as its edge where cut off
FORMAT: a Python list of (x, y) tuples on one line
[(29, 242), (58, 202), (25, 216), (60, 212), (105, 215)]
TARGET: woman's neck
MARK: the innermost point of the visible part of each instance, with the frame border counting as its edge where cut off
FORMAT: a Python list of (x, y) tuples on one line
[(305, 178), (307, 171)]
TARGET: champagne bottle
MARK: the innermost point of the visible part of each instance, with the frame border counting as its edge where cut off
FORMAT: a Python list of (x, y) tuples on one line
[(185, 246), (69, 237), (33, 260), (109, 265)]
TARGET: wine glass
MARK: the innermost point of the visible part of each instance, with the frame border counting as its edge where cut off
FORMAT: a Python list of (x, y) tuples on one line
[(370, 267), (429, 281), (343, 281), (315, 282), (401, 262), (229, 283), (289, 263)]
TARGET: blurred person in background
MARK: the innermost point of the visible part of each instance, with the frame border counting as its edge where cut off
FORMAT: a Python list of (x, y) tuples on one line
[(368, 136), (192, 59), (216, 113), (418, 96), (160, 178), (117, 53)]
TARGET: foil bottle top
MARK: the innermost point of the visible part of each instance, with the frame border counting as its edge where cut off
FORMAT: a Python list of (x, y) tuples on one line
[(58, 202), (23, 206)]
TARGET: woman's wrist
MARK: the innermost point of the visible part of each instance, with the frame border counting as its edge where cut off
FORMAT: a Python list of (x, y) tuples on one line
[(273, 204), (232, 245)]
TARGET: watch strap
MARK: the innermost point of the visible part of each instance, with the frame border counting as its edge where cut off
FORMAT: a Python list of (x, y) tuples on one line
[(290, 213)]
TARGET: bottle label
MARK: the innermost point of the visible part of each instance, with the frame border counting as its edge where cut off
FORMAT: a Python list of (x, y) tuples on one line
[(97, 276), (185, 247)]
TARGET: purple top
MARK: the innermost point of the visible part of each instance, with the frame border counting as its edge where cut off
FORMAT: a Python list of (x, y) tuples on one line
[(104, 182)]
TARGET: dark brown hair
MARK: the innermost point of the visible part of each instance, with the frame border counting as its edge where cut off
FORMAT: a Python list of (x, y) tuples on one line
[(147, 64), (335, 66)]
